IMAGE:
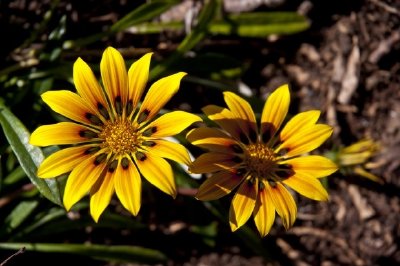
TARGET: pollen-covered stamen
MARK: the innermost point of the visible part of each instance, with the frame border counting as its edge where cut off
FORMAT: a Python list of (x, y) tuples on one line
[(121, 137), (261, 162)]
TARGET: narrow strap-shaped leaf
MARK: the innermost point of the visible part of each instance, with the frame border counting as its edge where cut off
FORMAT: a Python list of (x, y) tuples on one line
[(28, 156), (198, 33), (17, 216), (110, 253), (260, 24), (143, 13)]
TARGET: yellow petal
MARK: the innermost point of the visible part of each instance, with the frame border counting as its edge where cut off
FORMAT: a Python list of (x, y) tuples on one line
[(298, 123), (128, 186), (243, 111), (218, 185), (101, 194), (308, 186), (159, 94), (62, 161), (212, 162), (264, 212), (70, 105), (313, 165), (158, 172), (169, 150), (225, 119), (171, 123), (81, 179), (362, 172), (307, 140), (243, 204), (346, 159), (284, 203), (114, 75), (87, 85), (360, 146), (213, 139), (138, 76), (274, 112), (59, 134)]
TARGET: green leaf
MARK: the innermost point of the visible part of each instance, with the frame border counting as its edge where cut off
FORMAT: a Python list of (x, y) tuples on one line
[(29, 157), (260, 24), (206, 15), (120, 253), (143, 13), (18, 215), (255, 25)]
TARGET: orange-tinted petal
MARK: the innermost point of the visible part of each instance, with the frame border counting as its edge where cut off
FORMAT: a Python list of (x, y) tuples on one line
[(158, 172), (138, 76), (88, 86), (101, 194), (59, 134), (307, 140), (81, 179), (213, 139), (69, 104), (243, 204), (275, 110), (284, 203), (313, 165), (212, 162), (225, 119), (62, 161), (128, 186), (171, 123), (264, 212), (242, 110), (307, 186), (298, 122), (159, 94), (114, 76), (218, 185)]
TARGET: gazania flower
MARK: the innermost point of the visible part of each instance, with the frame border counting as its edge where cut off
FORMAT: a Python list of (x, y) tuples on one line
[(113, 140), (259, 162)]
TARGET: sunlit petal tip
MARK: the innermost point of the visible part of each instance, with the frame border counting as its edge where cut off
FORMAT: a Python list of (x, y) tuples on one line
[(282, 92), (159, 94), (172, 123), (111, 50), (81, 180), (95, 214), (275, 110), (158, 172), (243, 204)]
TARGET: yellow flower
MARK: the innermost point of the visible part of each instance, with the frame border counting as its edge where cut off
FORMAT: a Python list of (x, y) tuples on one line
[(113, 140), (260, 161), (355, 158)]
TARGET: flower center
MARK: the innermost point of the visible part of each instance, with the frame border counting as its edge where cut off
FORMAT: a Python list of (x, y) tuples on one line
[(121, 137), (261, 161)]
